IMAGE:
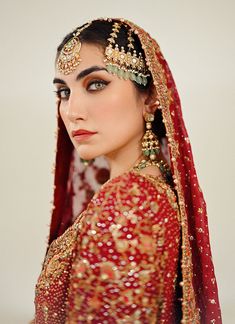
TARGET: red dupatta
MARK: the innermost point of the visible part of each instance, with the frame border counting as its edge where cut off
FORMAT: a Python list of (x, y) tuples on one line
[(74, 186)]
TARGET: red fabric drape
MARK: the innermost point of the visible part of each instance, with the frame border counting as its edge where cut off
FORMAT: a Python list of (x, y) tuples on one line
[(200, 302)]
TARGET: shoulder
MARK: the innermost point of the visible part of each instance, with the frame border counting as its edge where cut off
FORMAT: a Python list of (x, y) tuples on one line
[(132, 204), (137, 189)]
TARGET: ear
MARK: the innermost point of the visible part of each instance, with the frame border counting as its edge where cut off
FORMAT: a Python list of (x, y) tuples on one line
[(151, 104)]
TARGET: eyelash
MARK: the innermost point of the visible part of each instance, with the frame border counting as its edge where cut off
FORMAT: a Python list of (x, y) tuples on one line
[(60, 91)]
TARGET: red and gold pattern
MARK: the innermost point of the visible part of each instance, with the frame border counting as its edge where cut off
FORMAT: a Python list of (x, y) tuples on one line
[(118, 262), (200, 303)]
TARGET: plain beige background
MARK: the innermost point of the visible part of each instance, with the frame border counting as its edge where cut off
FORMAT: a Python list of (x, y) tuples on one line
[(197, 39)]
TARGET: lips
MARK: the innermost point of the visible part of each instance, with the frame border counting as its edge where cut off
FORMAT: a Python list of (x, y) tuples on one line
[(81, 132), (82, 135)]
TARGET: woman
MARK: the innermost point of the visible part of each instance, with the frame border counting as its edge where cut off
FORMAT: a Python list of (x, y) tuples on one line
[(139, 250)]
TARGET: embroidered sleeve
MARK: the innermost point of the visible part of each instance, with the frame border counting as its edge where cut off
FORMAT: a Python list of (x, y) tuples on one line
[(119, 266)]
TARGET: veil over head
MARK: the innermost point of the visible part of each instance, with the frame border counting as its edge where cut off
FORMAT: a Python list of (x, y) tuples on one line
[(75, 185)]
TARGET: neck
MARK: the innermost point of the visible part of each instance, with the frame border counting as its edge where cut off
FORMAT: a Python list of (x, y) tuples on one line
[(123, 160)]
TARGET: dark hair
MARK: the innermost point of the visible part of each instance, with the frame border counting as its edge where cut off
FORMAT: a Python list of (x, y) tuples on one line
[(98, 33)]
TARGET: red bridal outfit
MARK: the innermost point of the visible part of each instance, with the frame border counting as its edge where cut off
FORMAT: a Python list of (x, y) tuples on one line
[(139, 250), (117, 263)]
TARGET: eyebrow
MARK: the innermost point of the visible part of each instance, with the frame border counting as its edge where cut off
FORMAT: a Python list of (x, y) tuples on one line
[(83, 73)]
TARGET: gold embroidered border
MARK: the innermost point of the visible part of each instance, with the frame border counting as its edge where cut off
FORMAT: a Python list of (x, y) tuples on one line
[(150, 47)]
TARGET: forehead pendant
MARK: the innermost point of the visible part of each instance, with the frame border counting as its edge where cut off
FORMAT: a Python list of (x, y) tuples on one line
[(69, 57)]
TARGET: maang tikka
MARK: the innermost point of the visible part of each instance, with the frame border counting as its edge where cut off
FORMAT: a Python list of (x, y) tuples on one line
[(69, 57)]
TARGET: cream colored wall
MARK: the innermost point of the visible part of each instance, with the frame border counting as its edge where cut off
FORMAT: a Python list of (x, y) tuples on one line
[(197, 39)]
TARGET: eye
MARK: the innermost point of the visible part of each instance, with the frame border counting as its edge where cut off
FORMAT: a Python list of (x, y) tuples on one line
[(97, 85), (63, 93)]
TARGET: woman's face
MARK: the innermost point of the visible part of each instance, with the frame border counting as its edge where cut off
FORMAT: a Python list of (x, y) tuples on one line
[(93, 100)]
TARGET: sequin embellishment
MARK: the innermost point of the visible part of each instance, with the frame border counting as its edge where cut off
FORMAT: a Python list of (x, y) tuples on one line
[(118, 263)]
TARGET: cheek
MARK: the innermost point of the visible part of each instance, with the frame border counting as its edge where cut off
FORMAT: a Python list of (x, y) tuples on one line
[(123, 112), (63, 115)]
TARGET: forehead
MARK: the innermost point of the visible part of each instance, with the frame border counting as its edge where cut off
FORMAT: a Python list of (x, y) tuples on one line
[(90, 55)]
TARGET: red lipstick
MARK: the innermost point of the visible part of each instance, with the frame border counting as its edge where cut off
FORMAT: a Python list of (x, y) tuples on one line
[(82, 134)]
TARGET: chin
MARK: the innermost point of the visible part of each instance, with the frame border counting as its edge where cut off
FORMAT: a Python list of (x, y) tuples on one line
[(87, 155)]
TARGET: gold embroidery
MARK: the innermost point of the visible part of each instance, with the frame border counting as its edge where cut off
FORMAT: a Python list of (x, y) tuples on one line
[(125, 230), (144, 239), (150, 47), (56, 260)]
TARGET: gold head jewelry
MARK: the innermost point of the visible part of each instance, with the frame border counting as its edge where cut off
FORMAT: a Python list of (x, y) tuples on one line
[(126, 65), (69, 57)]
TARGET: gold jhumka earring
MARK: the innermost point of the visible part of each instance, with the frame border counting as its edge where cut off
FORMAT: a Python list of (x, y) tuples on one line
[(151, 149), (150, 143)]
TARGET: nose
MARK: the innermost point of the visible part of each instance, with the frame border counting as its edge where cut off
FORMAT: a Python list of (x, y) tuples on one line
[(76, 108)]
